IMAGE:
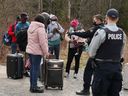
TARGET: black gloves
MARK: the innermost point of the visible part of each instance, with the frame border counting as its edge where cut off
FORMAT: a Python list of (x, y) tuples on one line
[(122, 60)]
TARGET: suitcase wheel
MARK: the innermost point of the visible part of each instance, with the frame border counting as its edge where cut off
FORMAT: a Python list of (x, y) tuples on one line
[(7, 76), (61, 88), (14, 77)]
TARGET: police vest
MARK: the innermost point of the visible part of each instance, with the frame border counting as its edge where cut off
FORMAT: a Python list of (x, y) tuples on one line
[(112, 46)]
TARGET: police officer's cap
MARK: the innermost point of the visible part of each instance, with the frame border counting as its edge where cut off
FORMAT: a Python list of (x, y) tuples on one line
[(113, 13)]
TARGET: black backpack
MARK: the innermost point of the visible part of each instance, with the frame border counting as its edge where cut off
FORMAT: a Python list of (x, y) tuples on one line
[(22, 39)]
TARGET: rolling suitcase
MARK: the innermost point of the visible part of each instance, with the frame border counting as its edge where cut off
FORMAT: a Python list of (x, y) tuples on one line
[(125, 76), (42, 71), (15, 66), (53, 73), (42, 68)]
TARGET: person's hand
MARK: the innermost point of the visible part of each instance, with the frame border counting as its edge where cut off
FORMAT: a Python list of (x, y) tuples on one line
[(122, 60), (55, 30), (70, 41), (49, 56), (17, 50)]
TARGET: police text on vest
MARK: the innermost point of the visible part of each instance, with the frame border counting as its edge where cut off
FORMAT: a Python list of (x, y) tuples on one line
[(115, 36)]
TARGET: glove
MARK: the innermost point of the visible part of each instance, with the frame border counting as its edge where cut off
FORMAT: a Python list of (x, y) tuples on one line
[(122, 60)]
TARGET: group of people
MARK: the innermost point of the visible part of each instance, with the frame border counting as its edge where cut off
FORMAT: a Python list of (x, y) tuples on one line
[(20, 24), (41, 37), (106, 42), (105, 56)]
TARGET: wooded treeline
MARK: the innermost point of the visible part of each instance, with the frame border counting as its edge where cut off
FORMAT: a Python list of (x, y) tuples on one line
[(65, 10)]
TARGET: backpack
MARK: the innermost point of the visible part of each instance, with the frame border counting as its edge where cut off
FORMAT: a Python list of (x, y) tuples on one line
[(7, 39), (22, 39)]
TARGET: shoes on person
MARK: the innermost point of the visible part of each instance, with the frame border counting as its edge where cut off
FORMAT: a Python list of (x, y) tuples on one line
[(83, 92), (76, 54), (26, 74), (36, 90), (75, 76), (66, 75)]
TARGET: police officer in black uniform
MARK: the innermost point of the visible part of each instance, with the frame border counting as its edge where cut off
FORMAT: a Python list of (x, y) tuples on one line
[(106, 50), (88, 71)]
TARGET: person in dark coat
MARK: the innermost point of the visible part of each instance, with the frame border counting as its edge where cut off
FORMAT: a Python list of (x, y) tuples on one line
[(88, 71)]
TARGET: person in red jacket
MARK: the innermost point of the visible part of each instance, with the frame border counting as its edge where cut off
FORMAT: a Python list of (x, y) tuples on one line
[(11, 32)]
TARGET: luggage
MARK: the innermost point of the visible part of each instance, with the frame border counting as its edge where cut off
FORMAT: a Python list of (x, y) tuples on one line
[(15, 66), (125, 76), (42, 71), (42, 68), (53, 73)]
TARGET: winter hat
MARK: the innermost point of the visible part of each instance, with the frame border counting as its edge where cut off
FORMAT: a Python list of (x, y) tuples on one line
[(46, 18), (18, 17), (24, 15), (74, 23), (53, 17)]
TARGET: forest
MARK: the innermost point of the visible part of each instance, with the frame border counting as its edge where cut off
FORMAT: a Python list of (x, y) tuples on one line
[(65, 10)]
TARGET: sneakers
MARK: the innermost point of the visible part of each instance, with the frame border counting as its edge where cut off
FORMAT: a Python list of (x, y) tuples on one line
[(36, 90), (83, 92), (66, 75), (26, 74), (76, 54), (75, 76)]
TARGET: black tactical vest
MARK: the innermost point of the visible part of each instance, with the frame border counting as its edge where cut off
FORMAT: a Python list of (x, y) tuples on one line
[(112, 47)]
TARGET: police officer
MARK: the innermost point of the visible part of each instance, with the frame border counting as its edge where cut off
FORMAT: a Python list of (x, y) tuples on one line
[(106, 49), (88, 71)]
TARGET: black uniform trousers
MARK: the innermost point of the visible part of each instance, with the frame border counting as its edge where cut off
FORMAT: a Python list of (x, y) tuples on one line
[(88, 72), (71, 55), (107, 79)]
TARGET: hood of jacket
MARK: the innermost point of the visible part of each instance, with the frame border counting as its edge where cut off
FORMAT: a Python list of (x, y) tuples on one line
[(35, 25)]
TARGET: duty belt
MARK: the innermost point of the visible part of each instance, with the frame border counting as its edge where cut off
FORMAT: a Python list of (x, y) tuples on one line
[(106, 60)]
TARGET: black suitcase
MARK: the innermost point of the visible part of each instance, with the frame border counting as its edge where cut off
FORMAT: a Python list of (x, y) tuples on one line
[(42, 68), (15, 66), (42, 71), (53, 73)]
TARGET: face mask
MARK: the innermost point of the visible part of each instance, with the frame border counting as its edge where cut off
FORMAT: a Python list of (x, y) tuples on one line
[(53, 22)]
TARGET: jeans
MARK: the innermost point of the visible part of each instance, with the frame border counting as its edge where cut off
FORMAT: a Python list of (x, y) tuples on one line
[(34, 69), (13, 47), (55, 49)]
